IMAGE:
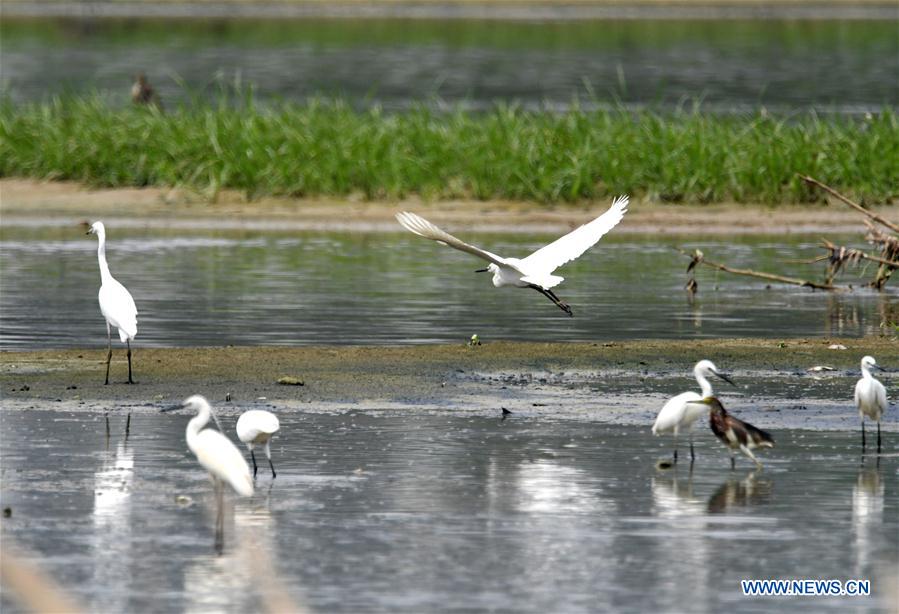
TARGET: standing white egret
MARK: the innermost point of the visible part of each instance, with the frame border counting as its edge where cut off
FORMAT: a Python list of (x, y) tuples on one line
[(870, 397), (536, 270), (257, 427), (679, 415), (218, 455), (116, 303)]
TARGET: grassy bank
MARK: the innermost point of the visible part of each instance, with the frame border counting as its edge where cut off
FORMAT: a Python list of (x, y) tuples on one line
[(326, 148)]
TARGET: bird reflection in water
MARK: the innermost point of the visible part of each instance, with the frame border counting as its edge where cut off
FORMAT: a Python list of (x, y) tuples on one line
[(111, 540), (244, 577), (734, 494), (673, 496), (867, 514)]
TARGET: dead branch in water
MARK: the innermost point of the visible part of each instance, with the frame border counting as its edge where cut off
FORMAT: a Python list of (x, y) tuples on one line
[(698, 258), (880, 220)]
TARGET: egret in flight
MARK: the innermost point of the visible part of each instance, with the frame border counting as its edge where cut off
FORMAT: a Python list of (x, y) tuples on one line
[(536, 270), (116, 303), (733, 432), (257, 427), (678, 414), (218, 455), (870, 397)]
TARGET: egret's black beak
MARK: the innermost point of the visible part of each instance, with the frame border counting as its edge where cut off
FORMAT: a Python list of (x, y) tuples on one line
[(482, 270), (726, 379), (171, 408), (879, 368), (88, 232)]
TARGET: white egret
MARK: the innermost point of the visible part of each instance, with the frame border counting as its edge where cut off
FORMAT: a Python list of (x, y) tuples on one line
[(733, 432), (870, 397), (534, 271), (257, 427), (678, 415), (218, 455), (116, 303)]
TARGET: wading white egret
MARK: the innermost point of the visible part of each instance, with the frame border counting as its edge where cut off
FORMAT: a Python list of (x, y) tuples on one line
[(116, 303), (870, 397), (733, 432), (219, 456), (257, 427), (678, 415), (534, 271)]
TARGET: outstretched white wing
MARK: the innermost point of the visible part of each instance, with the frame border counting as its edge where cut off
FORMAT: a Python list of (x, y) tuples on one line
[(565, 249), (424, 228)]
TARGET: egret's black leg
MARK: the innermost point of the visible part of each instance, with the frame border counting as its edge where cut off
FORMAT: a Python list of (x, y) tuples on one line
[(692, 453), (675, 455), (268, 455), (107, 429), (219, 517), (733, 463), (108, 352), (551, 296), (130, 381), (863, 434), (253, 456), (128, 425), (878, 436)]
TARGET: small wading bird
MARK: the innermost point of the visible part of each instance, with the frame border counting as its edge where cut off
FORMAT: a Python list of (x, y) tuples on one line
[(870, 397), (142, 93), (536, 270), (678, 414), (733, 432), (218, 455), (257, 427), (116, 303)]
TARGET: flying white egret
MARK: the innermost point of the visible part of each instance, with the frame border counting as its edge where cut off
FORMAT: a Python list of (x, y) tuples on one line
[(870, 397), (733, 432), (257, 427), (679, 415), (218, 455), (534, 271), (116, 303)]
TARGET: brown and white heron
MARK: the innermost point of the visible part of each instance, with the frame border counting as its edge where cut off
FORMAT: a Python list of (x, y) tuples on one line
[(735, 433)]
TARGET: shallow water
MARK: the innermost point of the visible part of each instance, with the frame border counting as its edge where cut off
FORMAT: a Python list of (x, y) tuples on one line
[(731, 65), (262, 288), (428, 511)]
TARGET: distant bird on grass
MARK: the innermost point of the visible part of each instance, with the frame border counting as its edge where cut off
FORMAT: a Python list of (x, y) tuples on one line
[(257, 427), (116, 303), (734, 433), (870, 397), (678, 414), (218, 455), (142, 93), (536, 270)]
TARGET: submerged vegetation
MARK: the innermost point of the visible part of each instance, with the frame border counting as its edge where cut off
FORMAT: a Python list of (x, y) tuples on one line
[(328, 148)]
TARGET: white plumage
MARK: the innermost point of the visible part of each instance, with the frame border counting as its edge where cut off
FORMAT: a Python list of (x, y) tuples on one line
[(679, 414), (870, 397), (215, 452), (116, 303), (257, 427), (534, 271)]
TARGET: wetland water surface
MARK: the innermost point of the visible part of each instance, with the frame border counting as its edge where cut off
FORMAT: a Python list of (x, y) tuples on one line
[(732, 65), (258, 288), (431, 512)]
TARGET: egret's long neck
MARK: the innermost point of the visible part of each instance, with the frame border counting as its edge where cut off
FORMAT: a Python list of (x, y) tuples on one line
[(196, 424), (704, 385), (866, 371), (105, 275)]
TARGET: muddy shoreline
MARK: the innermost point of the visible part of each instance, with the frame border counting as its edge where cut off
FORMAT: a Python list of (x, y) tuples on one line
[(34, 203), (398, 375)]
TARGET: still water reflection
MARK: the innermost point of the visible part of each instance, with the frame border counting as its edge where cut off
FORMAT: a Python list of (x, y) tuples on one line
[(249, 288), (411, 512)]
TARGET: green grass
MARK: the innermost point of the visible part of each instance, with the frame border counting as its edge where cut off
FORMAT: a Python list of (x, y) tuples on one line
[(326, 148)]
